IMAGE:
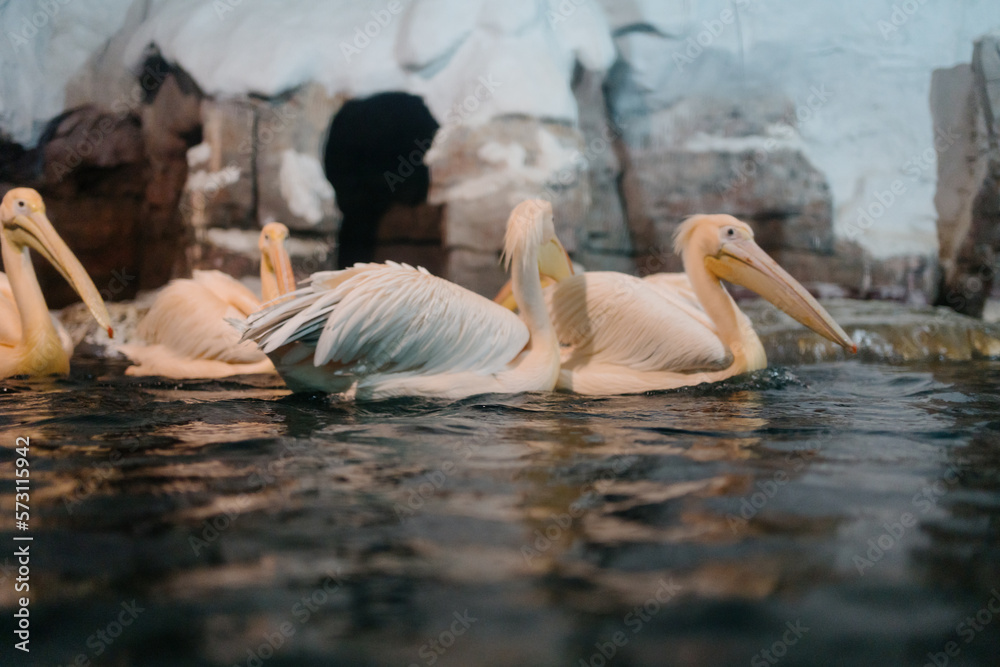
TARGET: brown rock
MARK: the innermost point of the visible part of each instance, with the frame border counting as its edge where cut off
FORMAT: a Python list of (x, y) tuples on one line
[(93, 180), (965, 106), (171, 123), (481, 173), (715, 157), (604, 239)]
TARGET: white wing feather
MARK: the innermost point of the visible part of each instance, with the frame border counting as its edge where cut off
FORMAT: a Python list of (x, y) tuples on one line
[(391, 318)]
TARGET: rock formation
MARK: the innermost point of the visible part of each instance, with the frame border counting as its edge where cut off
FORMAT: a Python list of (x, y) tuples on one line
[(627, 116), (965, 101)]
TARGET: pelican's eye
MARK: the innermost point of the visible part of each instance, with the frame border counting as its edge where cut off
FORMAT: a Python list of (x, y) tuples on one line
[(730, 232)]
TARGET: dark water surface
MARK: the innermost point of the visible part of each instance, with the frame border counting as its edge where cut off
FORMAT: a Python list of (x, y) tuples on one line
[(841, 514)]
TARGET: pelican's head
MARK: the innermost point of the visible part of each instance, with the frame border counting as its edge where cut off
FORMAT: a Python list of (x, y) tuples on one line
[(530, 226), (25, 225), (728, 250), (276, 274)]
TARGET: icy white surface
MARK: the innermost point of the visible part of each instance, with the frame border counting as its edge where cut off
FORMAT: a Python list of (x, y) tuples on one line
[(212, 181), (304, 185), (442, 50), (199, 154), (43, 46), (472, 60), (776, 137), (514, 169), (246, 242)]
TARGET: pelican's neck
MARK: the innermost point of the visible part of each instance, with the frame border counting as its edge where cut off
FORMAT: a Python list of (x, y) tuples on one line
[(35, 319), (527, 288), (268, 284), (717, 304)]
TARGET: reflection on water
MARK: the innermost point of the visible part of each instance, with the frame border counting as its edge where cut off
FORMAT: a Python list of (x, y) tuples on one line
[(834, 514)]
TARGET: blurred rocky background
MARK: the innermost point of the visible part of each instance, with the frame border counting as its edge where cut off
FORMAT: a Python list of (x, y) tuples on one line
[(860, 138)]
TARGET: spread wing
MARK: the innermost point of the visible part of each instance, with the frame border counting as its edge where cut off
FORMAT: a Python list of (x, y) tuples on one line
[(392, 318), (189, 317), (614, 318)]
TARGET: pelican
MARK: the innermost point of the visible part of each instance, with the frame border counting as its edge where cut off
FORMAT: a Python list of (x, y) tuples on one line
[(622, 334), (186, 331), (383, 330), (30, 341)]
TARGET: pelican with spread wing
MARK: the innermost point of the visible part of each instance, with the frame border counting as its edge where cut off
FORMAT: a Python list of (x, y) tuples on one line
[(31, 342), (383, 330), (622, 334), (186, 331)]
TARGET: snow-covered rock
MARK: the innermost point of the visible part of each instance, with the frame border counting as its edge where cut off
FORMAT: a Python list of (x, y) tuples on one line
[(855, 76)]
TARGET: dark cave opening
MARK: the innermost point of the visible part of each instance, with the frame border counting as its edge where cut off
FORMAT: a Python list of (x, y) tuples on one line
[(374, 159)]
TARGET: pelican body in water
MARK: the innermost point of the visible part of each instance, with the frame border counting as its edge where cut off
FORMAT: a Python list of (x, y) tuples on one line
[(31, 343), (622, 334), (186, 331), (383, 330)]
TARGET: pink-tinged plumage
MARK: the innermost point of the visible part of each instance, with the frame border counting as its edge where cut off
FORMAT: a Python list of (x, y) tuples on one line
[(623, 334), (189, 332), (31, 340)]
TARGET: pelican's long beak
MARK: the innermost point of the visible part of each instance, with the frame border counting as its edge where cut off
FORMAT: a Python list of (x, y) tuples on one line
[(744, 263), (279, 265), (554, 265), (276, 276), (505, 297), (34, 230), (554, 261)]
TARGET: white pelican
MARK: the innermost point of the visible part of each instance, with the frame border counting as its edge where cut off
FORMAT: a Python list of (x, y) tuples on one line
[(186, 331), (623, 334), (384, 330), (30, 341), (10, 320)]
